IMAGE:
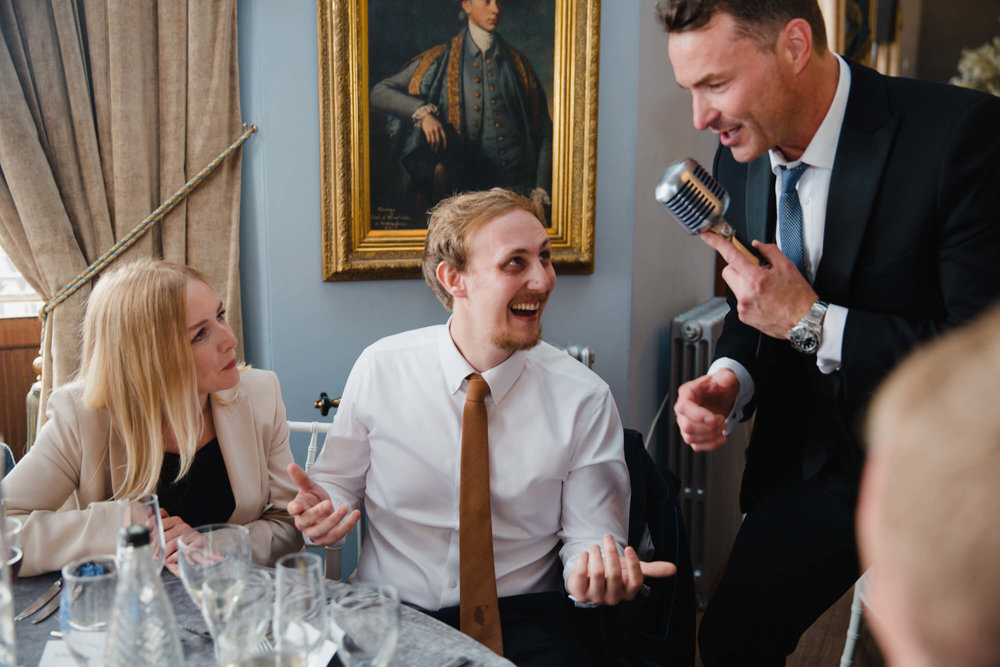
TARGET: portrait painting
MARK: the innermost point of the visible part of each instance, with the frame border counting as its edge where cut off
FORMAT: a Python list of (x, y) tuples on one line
[(419, 101), (457, 103)]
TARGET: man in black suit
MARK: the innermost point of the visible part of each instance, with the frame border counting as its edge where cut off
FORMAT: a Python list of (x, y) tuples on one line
[(888, 235)]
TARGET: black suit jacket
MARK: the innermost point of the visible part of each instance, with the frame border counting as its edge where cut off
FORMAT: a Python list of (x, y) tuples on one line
[(911, 247)]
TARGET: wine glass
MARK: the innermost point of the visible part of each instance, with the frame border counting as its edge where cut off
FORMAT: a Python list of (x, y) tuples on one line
[(85, 606), (243, 635), (299, 605), (145, 511), (8, 650), (214, 561), (365, 623), (15, 552)]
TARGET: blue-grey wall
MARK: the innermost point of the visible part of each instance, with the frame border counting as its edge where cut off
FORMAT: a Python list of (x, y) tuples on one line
[(671, 271), (310, 332)]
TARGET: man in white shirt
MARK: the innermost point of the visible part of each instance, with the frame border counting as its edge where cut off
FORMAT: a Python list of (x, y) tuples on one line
[(558, 483), (876, 202)]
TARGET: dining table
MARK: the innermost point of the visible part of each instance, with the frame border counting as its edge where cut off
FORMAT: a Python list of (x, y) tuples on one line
[(423, 640)]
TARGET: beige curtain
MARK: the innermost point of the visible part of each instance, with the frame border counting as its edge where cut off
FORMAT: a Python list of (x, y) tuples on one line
[(107, 107)]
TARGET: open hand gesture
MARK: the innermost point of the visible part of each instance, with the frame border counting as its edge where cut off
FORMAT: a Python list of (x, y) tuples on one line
[(314, 513), (605, 580)]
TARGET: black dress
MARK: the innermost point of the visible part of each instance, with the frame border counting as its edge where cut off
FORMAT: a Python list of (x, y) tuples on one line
[(204, 495)]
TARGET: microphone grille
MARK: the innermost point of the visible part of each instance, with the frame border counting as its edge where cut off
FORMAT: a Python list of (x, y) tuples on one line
[(691, 195)]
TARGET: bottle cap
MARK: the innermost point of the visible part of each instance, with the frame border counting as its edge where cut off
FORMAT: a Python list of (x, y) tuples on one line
[(133, 536)]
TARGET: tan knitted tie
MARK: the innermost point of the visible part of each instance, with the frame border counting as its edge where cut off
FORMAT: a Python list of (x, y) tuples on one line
[(480, 617)]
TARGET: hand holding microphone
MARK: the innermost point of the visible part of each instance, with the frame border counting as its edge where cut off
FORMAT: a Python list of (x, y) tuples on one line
[(698, 202), (771, 301)]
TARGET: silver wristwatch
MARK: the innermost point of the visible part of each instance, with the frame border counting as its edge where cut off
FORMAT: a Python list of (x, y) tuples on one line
[(807, 334)]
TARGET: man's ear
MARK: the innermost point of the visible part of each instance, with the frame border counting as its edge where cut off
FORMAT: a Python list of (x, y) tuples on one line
[(795, 43), (451, 279)]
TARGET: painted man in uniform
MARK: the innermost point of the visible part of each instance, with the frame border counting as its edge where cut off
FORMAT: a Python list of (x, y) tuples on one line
[(469, 115)]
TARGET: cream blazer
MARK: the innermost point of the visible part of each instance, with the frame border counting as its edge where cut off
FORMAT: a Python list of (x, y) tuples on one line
[(63, 486)]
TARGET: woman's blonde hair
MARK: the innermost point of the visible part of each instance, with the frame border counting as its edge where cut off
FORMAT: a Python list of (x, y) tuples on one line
[(137, 364)]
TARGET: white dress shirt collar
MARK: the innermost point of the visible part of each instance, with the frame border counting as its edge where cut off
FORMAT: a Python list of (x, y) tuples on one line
[(482, 38), (822, 150), (500, 378)]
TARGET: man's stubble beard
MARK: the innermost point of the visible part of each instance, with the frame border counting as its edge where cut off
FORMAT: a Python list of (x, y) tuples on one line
[(503, 339)]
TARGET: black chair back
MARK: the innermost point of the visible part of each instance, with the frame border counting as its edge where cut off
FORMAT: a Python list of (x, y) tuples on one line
[(658, 626)]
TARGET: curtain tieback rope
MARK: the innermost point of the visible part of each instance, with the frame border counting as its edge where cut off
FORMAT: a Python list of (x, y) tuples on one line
[(129, 239)]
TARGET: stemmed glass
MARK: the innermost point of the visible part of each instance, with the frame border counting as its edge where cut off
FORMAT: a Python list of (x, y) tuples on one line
[(144, 511), (243, 636), (214, 561), (15, 551), (85, 606), (299, 605), (365, 624)]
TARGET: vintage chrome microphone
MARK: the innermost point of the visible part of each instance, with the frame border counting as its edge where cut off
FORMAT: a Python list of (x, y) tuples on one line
[(698, 203)]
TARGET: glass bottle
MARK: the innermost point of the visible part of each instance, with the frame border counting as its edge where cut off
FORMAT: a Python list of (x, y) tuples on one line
[(143, 627)]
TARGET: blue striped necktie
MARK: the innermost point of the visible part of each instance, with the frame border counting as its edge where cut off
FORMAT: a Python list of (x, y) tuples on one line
[(790, 216)]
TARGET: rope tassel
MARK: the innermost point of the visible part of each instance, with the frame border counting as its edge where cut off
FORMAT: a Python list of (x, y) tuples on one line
[(129, 239)]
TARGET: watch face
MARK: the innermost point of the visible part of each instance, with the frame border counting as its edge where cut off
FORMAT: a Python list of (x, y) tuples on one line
[(803, 339)]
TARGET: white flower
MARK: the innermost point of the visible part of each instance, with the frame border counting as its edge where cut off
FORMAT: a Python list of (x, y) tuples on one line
[(979, 68)]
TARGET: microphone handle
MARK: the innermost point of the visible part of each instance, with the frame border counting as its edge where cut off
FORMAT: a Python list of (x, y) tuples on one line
[(725, 230)]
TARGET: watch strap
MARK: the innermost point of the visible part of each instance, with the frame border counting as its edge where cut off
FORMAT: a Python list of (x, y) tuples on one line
[(816, 313)]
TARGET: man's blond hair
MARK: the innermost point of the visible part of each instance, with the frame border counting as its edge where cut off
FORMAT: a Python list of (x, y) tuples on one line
[(138, 365), (935, 424), (454, 220)]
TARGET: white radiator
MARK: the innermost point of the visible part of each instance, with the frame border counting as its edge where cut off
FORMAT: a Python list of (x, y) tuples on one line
[(710, 481)]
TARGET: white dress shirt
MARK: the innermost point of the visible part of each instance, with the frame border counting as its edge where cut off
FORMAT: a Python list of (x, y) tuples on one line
[(813, 189), (558, 480), (482, 38)]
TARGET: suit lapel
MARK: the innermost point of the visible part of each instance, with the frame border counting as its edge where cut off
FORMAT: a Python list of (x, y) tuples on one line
[(234, 426), (862, 151), (759, 194)]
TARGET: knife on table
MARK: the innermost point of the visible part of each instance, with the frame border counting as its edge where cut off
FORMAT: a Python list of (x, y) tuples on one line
[(47, 610), (49, 593)]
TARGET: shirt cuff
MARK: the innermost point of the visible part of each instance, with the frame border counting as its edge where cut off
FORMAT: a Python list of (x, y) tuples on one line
[(828, 356), (422, 111), (539, 194), (746, 388), (339, 544), (583, 605)]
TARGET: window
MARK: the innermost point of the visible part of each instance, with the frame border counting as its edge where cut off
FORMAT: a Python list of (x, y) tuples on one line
[(17, 299)]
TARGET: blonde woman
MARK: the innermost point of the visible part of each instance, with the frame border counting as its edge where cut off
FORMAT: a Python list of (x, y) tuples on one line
[(160, 405)]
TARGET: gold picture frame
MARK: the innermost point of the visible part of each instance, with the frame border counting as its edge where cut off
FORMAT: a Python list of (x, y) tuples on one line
[(352, 249), (866, 31)]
